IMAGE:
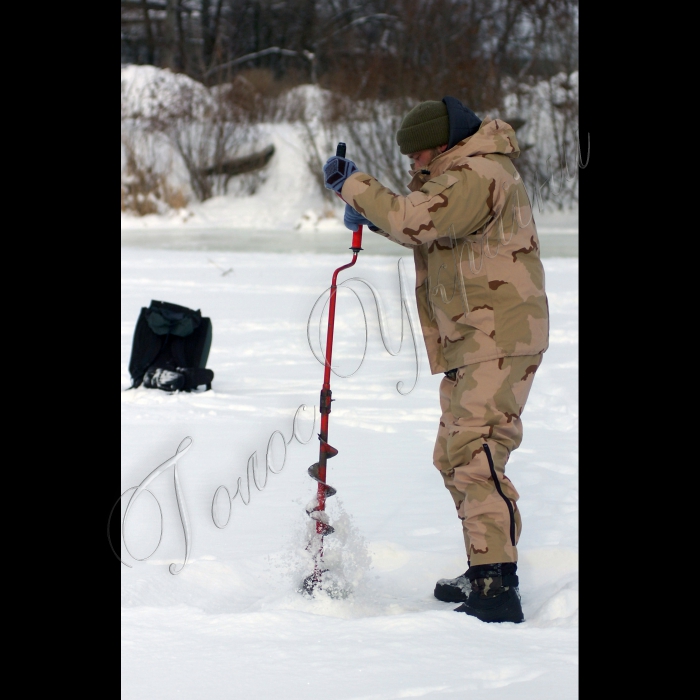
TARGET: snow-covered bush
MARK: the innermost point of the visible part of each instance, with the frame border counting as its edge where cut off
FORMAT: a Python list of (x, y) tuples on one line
[(545, 116), (369, 127), (552, 146), (146, 186), (174, 126), (181, 139), (307, 108)]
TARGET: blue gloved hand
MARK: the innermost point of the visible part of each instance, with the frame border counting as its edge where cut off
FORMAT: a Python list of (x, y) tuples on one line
[(354, 219), (336, 171)]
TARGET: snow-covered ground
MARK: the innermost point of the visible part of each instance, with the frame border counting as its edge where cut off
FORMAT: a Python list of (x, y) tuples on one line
[(232, 625)]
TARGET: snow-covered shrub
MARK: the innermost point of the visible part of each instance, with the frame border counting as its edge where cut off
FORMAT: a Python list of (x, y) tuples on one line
[(368, 128), (146, 171), (203, 128), (545, 116), (552, 146), (306, 107)]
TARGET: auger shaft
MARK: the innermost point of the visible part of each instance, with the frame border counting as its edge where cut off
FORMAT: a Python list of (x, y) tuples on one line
[(325, 450), (318, 471)]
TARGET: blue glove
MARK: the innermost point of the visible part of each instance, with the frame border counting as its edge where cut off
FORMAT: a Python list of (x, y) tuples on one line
[(353, 219), (336, 171)]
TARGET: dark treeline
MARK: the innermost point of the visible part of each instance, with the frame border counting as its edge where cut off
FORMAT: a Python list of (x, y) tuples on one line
[(365, 49)]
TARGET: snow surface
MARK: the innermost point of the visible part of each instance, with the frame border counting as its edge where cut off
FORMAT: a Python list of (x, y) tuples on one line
[(232, 625)]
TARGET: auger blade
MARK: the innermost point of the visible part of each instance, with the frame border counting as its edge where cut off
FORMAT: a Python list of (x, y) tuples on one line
[(321, 518), (313, 473), (328, 449), (311, 582)]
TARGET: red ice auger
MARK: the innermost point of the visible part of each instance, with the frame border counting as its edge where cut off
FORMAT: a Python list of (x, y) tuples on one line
[(317, 471)]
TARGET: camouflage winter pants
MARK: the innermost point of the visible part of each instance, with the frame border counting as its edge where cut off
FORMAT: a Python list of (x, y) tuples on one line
[(479, 428)]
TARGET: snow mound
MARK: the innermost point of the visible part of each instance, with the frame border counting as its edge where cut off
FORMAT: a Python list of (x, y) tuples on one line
[(283, 196), (148, 92)]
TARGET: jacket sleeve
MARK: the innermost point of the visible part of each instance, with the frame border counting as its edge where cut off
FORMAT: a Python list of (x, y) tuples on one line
[(456, 204), (389, 236)]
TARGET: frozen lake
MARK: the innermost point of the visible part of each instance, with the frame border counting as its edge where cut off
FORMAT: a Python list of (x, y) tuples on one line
[(556, 242), (232, 625)]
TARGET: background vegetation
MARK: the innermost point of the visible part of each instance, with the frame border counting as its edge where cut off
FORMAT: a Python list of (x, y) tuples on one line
[(374, 60)]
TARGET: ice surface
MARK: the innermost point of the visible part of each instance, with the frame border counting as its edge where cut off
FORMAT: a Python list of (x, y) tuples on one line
[(232, 625)]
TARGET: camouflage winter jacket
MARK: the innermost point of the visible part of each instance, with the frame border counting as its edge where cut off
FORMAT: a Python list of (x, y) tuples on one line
[(479, 277)]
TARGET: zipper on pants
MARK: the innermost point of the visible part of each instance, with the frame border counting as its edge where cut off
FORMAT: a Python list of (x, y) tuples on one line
[(494, 476)]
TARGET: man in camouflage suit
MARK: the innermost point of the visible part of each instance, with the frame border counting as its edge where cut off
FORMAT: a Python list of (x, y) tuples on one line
[(483, 311)]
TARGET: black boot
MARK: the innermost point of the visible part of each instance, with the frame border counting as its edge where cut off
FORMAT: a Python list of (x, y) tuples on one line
[(494, 593), (165, 379), (453, 590)]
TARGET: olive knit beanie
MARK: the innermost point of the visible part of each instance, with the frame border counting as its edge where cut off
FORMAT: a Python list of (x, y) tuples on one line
[(425, 126)]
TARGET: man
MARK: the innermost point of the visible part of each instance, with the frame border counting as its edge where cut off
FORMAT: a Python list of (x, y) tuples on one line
[(483, 311)]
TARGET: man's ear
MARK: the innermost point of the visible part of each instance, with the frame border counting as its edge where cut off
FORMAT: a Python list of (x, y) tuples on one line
[(442, 148)]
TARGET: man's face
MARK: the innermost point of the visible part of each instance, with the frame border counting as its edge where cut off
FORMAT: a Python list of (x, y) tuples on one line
[(421, 159)]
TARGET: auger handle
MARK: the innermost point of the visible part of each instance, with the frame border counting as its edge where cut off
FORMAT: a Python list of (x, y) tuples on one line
[(356, 245)]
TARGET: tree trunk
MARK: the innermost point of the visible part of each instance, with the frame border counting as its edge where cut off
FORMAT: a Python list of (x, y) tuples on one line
[(181, 38), (169, 46), (149, 33)]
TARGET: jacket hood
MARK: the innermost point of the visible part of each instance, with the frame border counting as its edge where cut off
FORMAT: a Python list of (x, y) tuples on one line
[(463, 122), (493, 136)]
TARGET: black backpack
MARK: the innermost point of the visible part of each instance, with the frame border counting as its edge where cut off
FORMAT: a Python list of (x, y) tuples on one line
[(170, 349)]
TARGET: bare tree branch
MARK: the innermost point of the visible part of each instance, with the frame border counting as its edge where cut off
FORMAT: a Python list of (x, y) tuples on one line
[(259, 54)]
